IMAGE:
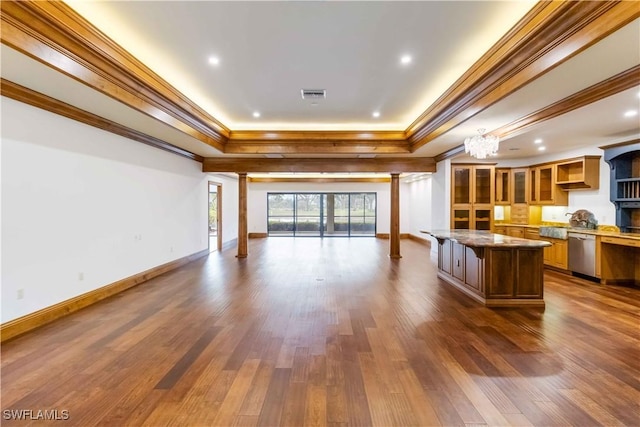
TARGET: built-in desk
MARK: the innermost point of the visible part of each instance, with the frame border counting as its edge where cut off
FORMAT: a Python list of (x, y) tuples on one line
[(496, 270)]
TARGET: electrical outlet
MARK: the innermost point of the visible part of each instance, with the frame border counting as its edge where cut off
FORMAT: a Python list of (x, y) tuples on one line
[(171, 249), (81, 276), (20, 294)]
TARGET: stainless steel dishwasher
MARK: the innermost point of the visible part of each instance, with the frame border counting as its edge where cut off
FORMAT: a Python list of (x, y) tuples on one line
[(582, 253)]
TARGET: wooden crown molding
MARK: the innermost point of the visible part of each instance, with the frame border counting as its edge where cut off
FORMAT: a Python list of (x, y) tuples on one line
[(36, 99), (317, 142), (611, 86), (319, 180), (57, 36), (258, 164), (552, 32), (548, 35)]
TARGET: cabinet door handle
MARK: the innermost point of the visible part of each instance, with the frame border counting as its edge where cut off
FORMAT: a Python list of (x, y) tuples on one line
[(457, 263)]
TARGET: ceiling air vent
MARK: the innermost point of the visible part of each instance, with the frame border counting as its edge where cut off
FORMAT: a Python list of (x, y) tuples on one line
[(313, 93)]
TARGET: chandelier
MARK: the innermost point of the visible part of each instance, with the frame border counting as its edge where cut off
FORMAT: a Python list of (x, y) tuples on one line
[(480, 146)]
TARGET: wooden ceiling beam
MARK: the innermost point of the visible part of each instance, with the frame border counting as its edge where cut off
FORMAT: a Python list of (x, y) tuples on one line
[(331, 165), (551, 33), (36, 99), (57, 36)]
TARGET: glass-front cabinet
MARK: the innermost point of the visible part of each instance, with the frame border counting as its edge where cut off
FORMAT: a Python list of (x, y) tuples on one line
[(461, 185), (472, 196), (503, 187), (520, 186)]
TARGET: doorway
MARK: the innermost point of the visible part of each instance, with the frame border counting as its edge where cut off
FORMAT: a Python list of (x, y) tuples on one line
[(214, 229)]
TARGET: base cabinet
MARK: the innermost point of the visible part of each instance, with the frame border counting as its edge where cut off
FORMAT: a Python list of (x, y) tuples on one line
[(557, 255), (494, 276)]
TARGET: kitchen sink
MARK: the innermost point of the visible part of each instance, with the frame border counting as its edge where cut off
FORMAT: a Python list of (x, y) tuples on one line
[(554, 232)]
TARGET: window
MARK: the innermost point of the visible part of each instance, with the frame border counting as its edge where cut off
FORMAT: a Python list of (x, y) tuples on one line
[(321, 214)]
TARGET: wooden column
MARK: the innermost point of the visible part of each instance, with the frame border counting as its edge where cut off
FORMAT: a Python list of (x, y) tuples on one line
[(394, 237), (242, 216)]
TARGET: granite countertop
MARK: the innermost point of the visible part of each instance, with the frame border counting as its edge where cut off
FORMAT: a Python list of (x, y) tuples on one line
[(632, 236), (485, 239)]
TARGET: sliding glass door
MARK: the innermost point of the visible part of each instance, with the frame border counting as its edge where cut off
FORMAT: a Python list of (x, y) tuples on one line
[(321, 214)]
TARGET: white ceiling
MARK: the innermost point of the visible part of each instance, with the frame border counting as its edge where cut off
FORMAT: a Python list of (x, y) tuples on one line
[(268, 51)]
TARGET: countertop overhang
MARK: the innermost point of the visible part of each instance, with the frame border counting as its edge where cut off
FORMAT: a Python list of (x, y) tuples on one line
[(485, 239)]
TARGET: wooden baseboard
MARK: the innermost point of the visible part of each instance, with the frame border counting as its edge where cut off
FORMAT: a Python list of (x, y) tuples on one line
[(388, 236), (230, 244), (29, 322), (258, 235), (419, 239)]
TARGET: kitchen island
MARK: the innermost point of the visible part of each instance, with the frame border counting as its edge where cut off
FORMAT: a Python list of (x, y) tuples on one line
[(496, 270)]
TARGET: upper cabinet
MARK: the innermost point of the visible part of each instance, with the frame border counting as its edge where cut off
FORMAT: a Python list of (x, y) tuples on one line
[(472, 196), (582, 173), (520, 180), (542, 187), (503, 188), (624, 161)]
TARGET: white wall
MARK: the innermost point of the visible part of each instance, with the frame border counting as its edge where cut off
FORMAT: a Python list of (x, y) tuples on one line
[(441, 196), (419, 206), (83, 208), (257, 199)]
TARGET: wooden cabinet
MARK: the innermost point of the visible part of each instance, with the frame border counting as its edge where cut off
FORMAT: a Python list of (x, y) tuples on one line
[(472, 196), (500, 229), (556, 255), (531, 233), (625, 184), (543, 189), (579, 173), (515, 232), (497, 276), (502, 186), (520, 184)]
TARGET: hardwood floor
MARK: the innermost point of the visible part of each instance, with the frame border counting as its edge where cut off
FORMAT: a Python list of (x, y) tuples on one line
[(330, 332)]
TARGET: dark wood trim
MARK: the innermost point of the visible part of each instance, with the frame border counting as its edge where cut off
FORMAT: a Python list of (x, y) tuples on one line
[(324, 135), (29, 322), (39, 100), (218, 186), (316, 147), (548, 35), (317, 142), (320, 180), (453, 152), (418, 239), (258, 235), (394, 226), (621, 144), (57, 36), (611, 86), (258, 164), (242, 216)]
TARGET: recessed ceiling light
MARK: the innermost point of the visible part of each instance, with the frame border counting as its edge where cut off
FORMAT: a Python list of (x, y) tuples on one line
[(631, 113), (256, 114), (376, 114), (541, 148), (537, 141), (214, 60), (406, 59)]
